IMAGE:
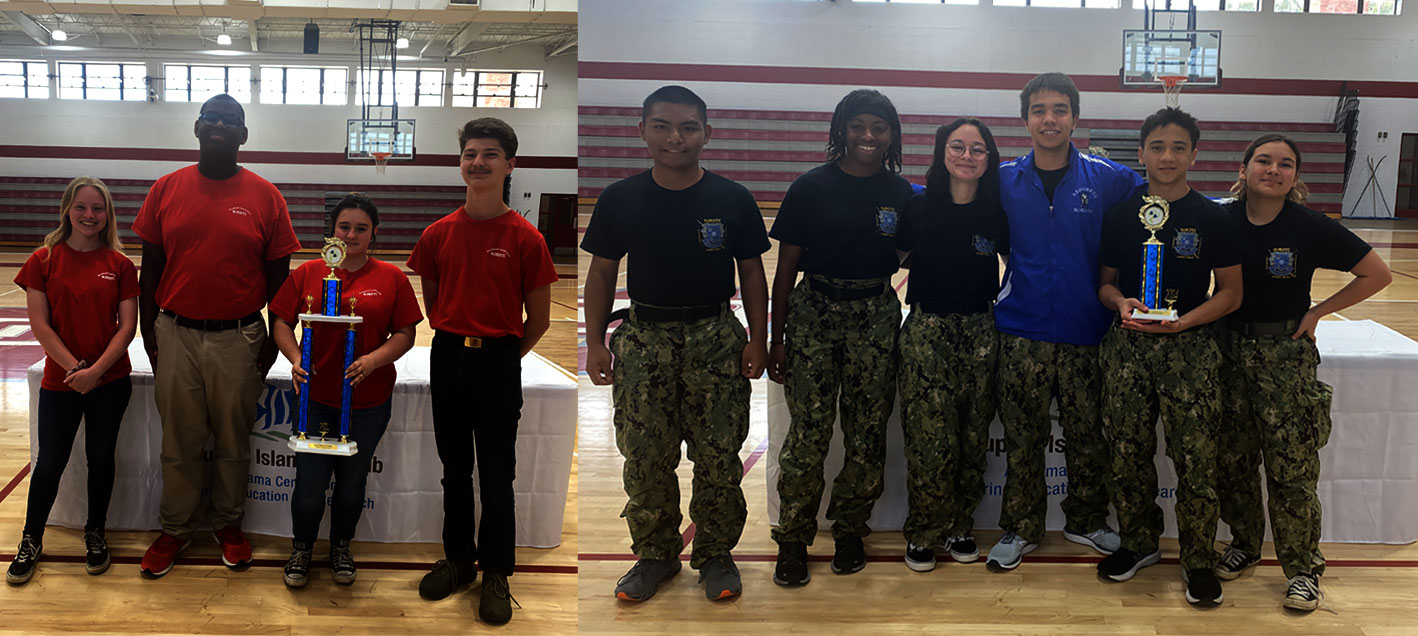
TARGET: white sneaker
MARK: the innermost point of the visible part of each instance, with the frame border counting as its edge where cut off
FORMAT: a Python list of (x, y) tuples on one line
[(1105, 540), (1010, 551)]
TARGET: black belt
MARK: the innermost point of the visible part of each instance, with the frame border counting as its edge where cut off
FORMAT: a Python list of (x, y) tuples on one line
[(956, 306), (647, 313), (1276, 328), (833, 292), (476, 342), (211, 325)]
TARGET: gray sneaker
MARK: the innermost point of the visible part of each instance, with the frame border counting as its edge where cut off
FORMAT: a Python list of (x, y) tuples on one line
[(1105, 540), (721, 578), (640, 583), (1009, 552), (1233, 562)]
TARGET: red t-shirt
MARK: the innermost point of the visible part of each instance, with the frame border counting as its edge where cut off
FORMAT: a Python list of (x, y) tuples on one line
[(484, 270), (387, 304), (83, 289), (218, 236)]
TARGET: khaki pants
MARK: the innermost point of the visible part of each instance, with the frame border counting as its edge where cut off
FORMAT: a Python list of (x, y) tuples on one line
[(207, 383)]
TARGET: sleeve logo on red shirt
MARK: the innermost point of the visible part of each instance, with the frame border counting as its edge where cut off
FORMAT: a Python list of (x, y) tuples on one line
[(108, 276), (240, 211), (498, 252)]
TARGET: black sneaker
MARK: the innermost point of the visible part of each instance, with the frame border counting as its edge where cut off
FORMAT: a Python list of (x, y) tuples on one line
[(26, 558), (851, 556), (646, 576), (495, 606), (920, 559), (792, 564), (342, 565), (1202, 586), (445, 578), (1124, 563), (1303, 593), (963, 549), (721, 578), (297, 570), (96, 558), (1233, 562)]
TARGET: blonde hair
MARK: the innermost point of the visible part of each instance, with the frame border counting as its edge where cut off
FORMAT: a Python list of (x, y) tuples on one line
[(66, 226), (1298, 192)]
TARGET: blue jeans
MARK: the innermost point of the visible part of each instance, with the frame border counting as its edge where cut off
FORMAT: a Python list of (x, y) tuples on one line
[(313, 471)]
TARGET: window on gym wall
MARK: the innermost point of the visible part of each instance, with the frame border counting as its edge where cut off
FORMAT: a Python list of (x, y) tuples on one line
[(304, 85), (103, 81), (927, 1), (498, 89), (1251, 6), (414, 87), (24, 79), (1365, 7), (1087, 4), (198, 83)]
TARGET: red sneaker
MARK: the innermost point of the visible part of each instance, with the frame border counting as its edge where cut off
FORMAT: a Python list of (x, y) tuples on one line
[(236, 550), (162, 554)]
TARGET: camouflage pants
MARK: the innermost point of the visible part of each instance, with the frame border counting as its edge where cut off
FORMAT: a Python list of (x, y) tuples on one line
[(947, 403), (1030, 373), (845, 347), (1174, 376), (679, 382), (1278, 411)]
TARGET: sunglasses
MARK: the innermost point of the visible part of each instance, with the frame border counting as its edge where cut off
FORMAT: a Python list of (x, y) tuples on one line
[(227, 119)]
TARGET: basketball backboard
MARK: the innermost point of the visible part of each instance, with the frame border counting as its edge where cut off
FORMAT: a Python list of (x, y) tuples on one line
[(1149, 55), (366, 136)]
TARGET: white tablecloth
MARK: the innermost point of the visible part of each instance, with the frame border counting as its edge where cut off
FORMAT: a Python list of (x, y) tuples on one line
[(1368, 481), (404, 500)]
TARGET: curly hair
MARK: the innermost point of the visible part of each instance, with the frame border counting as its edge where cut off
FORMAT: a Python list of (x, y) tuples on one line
[(864, 100)]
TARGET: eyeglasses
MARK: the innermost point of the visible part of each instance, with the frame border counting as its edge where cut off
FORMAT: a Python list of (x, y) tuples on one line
[(228, 119), (958, 151)]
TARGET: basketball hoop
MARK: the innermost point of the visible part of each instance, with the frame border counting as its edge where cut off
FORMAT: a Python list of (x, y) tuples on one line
[(1172, 88), (381, 159)]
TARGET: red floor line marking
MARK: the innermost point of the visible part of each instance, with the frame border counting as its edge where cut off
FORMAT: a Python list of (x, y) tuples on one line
[(903, 282), (1402, 273), (1078, 560), (10, 487), (747, 466), (280, 563)]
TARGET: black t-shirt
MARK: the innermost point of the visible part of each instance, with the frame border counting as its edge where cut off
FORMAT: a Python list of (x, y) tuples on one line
[(1051, 179), (682, 244), (846, 225), (954, 250), (1279, 259), (1197, 238)]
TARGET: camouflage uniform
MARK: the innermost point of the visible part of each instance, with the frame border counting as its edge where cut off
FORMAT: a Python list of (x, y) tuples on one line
[(680, 382), (1030, 372), (1279, 412), (1145, 375), (846, 346), (947, 403)]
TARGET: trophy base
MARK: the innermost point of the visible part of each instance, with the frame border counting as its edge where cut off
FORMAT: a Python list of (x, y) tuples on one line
[(322, 446), (1164, 315)]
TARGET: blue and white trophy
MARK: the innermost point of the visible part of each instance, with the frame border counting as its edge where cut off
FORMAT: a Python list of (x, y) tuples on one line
[(1154, 213), (333, 254)]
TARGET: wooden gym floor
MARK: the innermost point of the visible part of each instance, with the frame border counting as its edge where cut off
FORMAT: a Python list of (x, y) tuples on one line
[(1372, 589), (201, 596)]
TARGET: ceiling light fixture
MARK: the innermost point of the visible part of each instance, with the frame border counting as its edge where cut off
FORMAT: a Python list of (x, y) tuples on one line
[(58, 35), (401, 43), (224, 39)]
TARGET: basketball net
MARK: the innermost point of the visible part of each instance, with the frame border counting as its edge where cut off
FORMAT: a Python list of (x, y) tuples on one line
[(381, 159), (1172, 89)]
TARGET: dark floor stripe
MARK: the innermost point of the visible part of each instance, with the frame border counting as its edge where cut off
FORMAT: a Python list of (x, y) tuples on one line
[(10, 487), (1033, 558), (280, 563)]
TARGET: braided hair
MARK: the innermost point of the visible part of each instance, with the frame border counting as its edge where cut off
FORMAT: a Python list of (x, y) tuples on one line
[(864, 100)]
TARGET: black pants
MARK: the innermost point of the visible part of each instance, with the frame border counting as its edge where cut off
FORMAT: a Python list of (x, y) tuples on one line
[(59, 415), (477, 400), (313, 472)]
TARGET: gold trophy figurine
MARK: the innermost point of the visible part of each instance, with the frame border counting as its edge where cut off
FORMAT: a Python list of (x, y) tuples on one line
[(1153, 214)]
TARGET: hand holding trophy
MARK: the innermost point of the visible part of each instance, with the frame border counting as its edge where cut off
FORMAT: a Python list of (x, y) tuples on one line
[(1154, 213), (333, 254)]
